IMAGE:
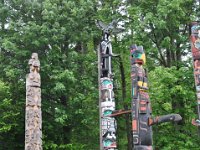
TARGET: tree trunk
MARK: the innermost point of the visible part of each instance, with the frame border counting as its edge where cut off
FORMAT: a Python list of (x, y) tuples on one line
[(127, 116)]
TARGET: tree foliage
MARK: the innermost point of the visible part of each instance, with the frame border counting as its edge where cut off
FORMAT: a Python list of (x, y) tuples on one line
[(64, 35)]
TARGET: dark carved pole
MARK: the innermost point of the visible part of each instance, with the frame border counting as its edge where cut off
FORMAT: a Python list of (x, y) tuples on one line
[(108, 124), (33, 124), (141, 106), (195, 46), (141, 109)]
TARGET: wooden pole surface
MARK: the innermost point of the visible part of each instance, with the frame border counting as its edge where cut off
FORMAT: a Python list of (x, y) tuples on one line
[(99, 82), (33, 122)]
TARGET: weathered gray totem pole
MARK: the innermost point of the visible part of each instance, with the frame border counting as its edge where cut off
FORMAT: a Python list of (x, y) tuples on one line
[(33, 121), (195, 46), (141, 106), (108, 123)]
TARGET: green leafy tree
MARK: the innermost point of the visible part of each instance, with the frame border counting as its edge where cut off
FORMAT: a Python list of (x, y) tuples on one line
[(64, 35)]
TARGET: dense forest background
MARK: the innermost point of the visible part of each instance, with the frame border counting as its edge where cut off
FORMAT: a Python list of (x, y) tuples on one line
[(64, 34)]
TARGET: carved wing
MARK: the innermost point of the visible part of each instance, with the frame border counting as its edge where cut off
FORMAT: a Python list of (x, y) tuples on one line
[(113, 26), (114, 23), (101, 25), (117, 30)]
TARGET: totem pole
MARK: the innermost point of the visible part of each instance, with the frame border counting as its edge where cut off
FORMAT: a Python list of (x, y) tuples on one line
[(108, 123), (141, 109), (33, 122), (141, 106), (195, 46)]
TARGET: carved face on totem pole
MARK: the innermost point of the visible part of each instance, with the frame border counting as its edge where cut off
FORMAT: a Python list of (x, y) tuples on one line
[(34, 63), (138, 55), (33, 78), (195, 30), (196, 33)]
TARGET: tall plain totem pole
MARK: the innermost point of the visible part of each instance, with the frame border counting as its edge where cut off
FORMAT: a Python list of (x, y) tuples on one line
[(141, 106), (33, 122), (195, 46), (108, 124)]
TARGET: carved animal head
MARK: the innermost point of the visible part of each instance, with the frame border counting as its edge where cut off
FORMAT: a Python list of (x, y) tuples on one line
[(34, 63), (138, 55), (34, 56), (195, 29)]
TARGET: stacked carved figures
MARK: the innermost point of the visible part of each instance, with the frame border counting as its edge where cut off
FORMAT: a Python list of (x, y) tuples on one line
[(108, 124), (141, 109), (195, 46), (33, 124)]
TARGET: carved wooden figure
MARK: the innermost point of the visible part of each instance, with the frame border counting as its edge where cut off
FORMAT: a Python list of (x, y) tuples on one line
[(195, 47), (141, 106), (108, 125), (33, 122)]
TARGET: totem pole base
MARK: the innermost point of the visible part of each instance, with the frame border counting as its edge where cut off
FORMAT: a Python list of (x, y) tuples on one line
[(196, 122), (142, 147)]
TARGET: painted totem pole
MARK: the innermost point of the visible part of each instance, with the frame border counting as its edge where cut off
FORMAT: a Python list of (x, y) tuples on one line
[(141, 109), (141, 106), (108, 123), (33, 122), (195, 46)]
